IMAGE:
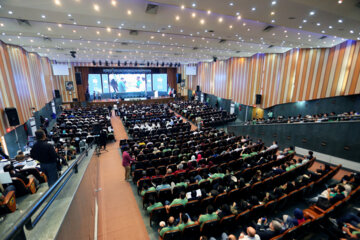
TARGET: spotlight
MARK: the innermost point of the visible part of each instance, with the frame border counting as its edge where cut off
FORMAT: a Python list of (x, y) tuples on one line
[(100, 62), (119, 63), (148, 64), (163, 64), (72, 53), (135, 64), (170, 65), (125, 63), (112, 63), (214, 59), (94, 63), (157, 64), (106, 63), (130, 63)]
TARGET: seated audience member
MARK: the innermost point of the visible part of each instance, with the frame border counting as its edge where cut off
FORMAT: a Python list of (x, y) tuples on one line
[(163, 185), (184, 221), (351, 231), (210, 215), (265, 231), (181, 200), (20, 156), (224, 211), (15, 174), (146, 189), (170, 226), (153, 204), (296, 220), (250, 234)]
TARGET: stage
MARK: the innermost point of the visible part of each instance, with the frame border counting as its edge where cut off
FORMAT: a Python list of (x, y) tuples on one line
[(107, 102)]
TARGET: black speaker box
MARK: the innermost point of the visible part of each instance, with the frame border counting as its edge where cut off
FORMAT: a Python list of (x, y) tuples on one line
[(178, 78), (75, 100), (12, 116), (57, 93), (198, 88), (78, 78), (258, 98)]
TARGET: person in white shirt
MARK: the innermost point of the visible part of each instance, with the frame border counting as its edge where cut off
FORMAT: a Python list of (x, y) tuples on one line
[(251, 234), (273, 146)]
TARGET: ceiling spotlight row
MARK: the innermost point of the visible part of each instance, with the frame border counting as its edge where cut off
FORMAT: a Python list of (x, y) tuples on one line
[(135, 64)]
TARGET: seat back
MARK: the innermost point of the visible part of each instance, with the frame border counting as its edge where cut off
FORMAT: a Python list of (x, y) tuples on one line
[(193, 208), (172, 235), (176, 209), (165, 194), (157, 214), (209, 228), (20, 187), (227, 222), (191, 232)]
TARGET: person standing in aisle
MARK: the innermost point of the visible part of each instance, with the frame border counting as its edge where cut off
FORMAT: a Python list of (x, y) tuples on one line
[(126, 162), (46, 155)]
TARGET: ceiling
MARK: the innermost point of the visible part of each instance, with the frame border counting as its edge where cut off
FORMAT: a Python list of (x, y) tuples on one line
[(186, 31)]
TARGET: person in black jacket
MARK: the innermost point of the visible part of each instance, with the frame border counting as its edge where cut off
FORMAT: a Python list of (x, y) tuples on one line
[(2, 153), (46, 155)]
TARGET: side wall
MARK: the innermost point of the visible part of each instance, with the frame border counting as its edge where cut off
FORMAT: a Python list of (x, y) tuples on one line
[(297, 75), (337, 139)]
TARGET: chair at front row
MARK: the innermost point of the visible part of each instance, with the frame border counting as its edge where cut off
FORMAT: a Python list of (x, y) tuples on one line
[(9, 203)]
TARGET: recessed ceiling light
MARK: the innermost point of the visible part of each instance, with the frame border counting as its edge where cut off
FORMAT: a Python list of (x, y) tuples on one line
[(169, 26), (220, 19), (300, 26), (31, 40), (108, 29), (272, 20), (10, 12), (97, 32), (231, 4), (57, 2), (202, 21), (351, 31), (194, 4), (239, 17), (177, 18), (209, 12), (49, 28), (1, 24), (183, 7), (230, 26), (330, 27), (193, 15), (272, 13), (129, 12), (318, 24), (312, 13), (273, 3), (152, 37), (98, 22), (304, 21), (253, 9), (96, 7), (43, 16), (113, 2), (340, 21), (69, 15), (74, 31)]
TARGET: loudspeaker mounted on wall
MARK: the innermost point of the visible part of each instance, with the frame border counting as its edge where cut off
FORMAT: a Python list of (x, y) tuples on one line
[(258, 99), (178, 78), (198, 88), (78, 78), (12, 116), (56, 93)]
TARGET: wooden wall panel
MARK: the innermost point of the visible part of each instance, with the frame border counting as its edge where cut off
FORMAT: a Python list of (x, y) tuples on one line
[(297, 75), (60, 81), (25, 83)]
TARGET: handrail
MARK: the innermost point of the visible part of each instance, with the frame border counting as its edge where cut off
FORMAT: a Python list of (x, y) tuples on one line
[(18, 229)]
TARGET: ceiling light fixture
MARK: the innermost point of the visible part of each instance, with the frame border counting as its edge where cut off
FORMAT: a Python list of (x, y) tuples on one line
[(193, 15), (202, 21), (108, 29), (273, 3), (43, 16), (340, 21), (129, 12), (253, 9), (194, 4), (208, 12), (312, 13), (10, 12), (177, 18), (220, 20), (57, 2), (272, 13), (113, 2), (96, 7)]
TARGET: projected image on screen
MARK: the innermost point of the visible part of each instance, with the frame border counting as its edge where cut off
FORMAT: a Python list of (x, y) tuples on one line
[(127, 83), (95, 83)]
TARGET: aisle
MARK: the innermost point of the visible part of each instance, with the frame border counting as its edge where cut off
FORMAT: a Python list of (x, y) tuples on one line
[(119, 215)]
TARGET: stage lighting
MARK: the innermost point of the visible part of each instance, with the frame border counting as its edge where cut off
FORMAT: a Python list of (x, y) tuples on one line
[(125, 63), (163, 64), (170, 64), (112, 62), (148, 64), (106, 63), (130, 63), (214, 59), (119, 63), (100, 62), (72, 53), (157, 64), (135, 64), (94, 63)]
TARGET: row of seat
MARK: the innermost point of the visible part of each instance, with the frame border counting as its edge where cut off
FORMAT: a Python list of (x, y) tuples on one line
[(213, 227), (317, 216)]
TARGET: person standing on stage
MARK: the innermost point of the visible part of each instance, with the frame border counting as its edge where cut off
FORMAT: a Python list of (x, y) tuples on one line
[(122, 85), (126, 162), (94, 98), (114, 85), (46, 155)]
